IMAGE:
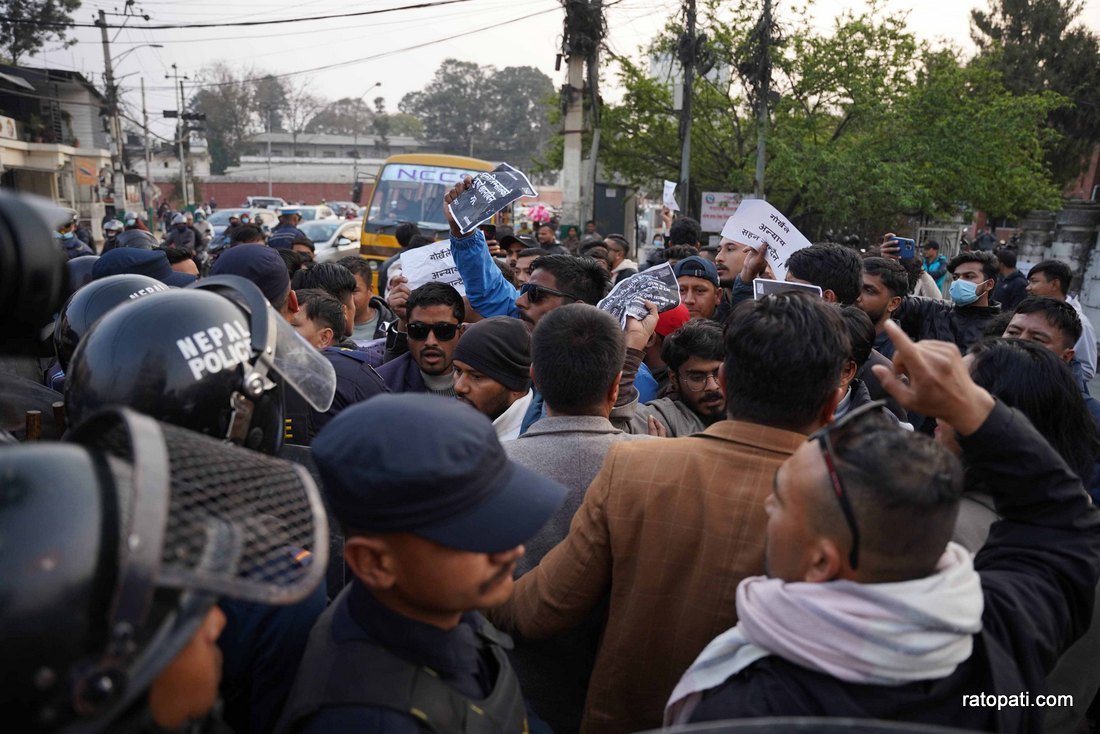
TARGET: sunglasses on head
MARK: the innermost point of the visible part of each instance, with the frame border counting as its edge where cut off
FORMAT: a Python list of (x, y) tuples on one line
[(443, 331), (822, 437), (536, 293)]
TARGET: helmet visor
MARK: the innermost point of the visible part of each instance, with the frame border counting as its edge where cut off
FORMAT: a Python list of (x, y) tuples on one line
[(301, 366)]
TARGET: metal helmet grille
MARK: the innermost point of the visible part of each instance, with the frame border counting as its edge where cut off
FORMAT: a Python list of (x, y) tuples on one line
[(240, 524)]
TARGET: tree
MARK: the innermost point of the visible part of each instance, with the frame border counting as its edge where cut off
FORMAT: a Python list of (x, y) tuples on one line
[(342, 117), (299, 106), (27, 25), (268, 99), (866, 125), (452, 106), (1037, 46), (519, 127), (227, 101)]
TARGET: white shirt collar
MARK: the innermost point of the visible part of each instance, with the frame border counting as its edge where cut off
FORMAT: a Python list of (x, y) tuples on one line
[(509, 423)]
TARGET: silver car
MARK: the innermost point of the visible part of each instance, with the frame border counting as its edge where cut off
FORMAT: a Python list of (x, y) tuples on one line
[(333, 239)]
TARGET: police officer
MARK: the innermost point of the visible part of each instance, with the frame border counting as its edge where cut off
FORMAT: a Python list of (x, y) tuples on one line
[(435, 516), (183, 235), (286, 231), (112, 228), (107, 609), (135, 234), (72, 245)]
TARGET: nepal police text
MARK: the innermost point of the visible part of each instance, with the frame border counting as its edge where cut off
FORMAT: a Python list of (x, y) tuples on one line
[(215, 349)]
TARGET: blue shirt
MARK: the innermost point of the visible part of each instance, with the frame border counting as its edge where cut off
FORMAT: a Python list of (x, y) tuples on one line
[(283, 236), (487, 290)]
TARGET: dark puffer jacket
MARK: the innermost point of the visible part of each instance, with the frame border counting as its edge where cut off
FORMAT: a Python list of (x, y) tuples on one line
[(924, 318)]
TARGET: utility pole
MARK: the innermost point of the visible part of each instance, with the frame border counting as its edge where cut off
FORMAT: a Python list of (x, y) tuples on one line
[(687, 63), (148, 156), (571, 175), (119, 176), (181, 134), (584, 30), (763, 88), (269, 189)]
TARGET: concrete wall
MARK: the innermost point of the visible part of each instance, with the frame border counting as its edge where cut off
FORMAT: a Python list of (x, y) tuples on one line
[(232, 194)]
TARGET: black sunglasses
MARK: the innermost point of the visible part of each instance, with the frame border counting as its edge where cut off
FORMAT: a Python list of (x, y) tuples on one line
[(822, 436), (443, 331), (536, 293)]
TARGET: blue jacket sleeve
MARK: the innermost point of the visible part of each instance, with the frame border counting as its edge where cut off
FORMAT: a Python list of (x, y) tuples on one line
[(489, 293)]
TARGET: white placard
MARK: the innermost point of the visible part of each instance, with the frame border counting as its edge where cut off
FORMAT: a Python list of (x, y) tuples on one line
[(717, 207), (756, 223), (431, 264), (669, 197)]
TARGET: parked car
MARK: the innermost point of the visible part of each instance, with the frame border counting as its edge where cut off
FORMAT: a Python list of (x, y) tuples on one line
[(333, 239), (264, 202), (317, 212), (219, 220), (341, 207)]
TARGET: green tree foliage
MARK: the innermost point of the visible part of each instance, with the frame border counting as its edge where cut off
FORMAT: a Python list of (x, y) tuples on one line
[(228, 102), (485, 112), (1038, 46), (27, 25), (866, 124), (268, 97)]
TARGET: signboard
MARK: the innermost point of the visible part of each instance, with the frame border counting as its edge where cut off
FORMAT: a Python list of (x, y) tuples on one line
[(7, 128), (756, 223), (491, 192), (431, 264), (86, 171), (717, 208), (413, 174)]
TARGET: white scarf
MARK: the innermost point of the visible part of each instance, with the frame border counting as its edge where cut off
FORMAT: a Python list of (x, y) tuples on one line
[(883, 634)]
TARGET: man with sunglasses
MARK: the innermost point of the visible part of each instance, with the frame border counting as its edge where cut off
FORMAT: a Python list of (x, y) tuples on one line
[(622, 267), (868, 611), (668, 528), (434, 312)]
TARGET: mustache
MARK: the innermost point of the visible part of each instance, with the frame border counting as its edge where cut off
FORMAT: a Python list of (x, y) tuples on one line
[(711, 395), (431, 350)]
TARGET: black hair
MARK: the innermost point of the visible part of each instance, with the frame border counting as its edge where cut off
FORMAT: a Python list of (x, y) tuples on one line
[(303, 240), (590, 221), (619, 240), (506, 270), (331, 277), (832, 267), (577, 351), (294, 260), (358, 266), (904, 489), (677, 252), (932, 244), (529, 251), (1006, 257), (685, 231), (861, 333), (248, 233), (436, 294), (598, 252), (579, 276), (891, 272), (784, 356), (1059, 314), (323, 307), (404, 232), (1027, 376), (418, 240), (696, 338), (1055, 269), (174, 254), (985, 259)]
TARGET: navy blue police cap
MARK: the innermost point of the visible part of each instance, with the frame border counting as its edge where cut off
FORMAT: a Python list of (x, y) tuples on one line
[(697, 267), (153, 263), (433, 467)]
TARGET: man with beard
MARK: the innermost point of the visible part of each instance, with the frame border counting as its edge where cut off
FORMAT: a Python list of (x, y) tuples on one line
[(492, 372), (434, 312), (693, 354), (729, 260)]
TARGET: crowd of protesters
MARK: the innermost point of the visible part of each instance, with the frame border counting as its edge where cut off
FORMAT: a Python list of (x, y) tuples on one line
[(870, 504)]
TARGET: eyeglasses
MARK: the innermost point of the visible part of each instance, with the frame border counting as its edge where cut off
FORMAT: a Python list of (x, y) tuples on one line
[(536, 293), (443, 331), (698, 381), (822, 436)]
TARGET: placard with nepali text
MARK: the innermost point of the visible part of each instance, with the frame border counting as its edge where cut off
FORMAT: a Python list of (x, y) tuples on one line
[(491, 192), (431, 264), (756, 223)]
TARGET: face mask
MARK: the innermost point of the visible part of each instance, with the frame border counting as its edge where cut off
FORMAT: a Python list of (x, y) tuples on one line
[(67, 235), (963, 292), (658, 242)]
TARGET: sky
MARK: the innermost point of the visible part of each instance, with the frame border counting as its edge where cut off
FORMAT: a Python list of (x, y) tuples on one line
[(400, 49)]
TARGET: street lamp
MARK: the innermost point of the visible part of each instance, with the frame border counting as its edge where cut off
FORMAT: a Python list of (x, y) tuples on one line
[(124, 54), (355, 144)]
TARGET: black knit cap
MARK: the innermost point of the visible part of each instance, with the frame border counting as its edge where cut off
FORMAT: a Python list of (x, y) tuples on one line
[(500, 348)]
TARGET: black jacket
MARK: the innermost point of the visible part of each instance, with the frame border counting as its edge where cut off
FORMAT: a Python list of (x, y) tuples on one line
[(1010, 290), (924, 318), (1039, 570)]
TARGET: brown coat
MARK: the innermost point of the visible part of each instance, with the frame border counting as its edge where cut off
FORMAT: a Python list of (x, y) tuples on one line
[(670, 528)]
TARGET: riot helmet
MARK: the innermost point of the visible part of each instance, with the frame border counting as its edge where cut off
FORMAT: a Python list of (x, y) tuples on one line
[(101, 597), (213, 358), (80, 271), (91, 302)]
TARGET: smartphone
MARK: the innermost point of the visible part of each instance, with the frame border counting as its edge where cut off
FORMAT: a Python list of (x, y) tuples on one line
[(764, 287), (907, 249)]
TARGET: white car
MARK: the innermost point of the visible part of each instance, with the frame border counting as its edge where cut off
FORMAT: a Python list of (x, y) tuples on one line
[(333, 239), (264, 202), (314, 213), (219, 220)]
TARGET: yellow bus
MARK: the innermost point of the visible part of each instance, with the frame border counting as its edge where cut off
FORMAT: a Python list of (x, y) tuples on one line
[(410, 188)]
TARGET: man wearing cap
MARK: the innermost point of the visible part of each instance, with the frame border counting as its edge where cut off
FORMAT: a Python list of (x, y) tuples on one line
[(433, 529), (698, 279), (183, 236), (513, 246), (264, 267), (492, 368), (153, 263), (524, 265), (286, 231)]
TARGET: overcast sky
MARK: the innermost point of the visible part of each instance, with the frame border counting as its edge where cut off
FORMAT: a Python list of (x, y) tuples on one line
[(400, 49)]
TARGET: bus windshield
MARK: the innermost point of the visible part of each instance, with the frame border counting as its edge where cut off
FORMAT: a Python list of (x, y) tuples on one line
[(409, 192)]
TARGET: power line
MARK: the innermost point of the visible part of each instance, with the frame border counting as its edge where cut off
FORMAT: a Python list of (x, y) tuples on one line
[(179, 26)]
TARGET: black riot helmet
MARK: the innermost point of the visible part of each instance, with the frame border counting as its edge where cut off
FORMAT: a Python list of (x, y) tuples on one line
[(117, 543), (91, 303), (80, 271), (213, 358)]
